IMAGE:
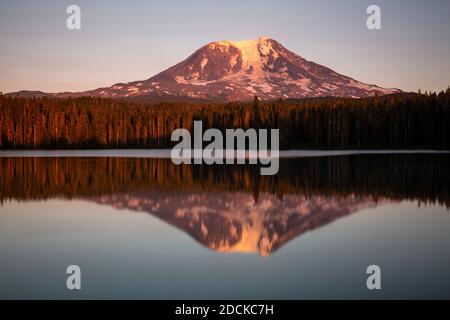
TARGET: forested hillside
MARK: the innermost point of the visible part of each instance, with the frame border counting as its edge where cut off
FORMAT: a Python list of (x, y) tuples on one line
[(393, 121)]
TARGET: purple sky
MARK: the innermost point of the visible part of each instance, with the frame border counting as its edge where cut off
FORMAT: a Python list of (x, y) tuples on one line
[(123, 41)]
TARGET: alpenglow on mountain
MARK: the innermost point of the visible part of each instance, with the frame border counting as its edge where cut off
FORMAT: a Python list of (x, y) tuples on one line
[(239, 70)]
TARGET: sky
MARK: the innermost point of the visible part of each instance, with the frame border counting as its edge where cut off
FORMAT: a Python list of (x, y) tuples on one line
[(122, 41)]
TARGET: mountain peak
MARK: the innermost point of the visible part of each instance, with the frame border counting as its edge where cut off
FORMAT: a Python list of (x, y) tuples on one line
[(242, 42), (239, 70)]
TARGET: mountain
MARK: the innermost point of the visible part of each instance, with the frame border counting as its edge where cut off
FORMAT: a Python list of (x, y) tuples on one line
[(235, 221), (238, 70)]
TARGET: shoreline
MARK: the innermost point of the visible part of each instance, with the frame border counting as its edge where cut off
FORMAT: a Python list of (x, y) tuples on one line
[(165, 153)]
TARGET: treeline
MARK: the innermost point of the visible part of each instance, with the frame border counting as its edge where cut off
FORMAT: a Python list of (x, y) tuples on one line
[(395, 121), (394, 177)]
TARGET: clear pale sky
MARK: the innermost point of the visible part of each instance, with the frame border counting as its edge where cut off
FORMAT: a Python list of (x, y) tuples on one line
[(123, 41)]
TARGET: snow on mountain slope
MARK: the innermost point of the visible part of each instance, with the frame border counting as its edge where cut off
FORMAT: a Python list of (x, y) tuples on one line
[(239, 70)]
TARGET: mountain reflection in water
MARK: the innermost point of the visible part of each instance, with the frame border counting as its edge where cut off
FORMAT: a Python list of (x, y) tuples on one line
[(233, 208), (235, 222)]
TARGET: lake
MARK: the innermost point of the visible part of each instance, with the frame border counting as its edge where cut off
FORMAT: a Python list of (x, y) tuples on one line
[(141, 227)]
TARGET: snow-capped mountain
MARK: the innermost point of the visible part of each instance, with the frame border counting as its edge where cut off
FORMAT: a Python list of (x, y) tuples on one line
[(240, 70), (236, 222)]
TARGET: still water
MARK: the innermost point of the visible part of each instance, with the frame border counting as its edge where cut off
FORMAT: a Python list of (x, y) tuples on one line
[(141, 227)]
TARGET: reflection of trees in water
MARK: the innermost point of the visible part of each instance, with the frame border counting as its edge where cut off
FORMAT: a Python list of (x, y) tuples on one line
[(232, 208), (415, 177)]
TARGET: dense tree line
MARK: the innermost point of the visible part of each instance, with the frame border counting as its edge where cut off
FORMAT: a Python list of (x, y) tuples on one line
[(395, 121), (393, 177)]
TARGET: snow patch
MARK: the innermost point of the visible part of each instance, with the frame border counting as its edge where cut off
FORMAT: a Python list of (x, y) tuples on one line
[(133, 90), (203, 63)]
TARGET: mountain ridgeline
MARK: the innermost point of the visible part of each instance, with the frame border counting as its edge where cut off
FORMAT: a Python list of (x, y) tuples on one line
[(224, 71), (389, 121)]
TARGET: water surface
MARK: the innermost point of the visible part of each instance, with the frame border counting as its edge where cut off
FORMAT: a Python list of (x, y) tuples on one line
[(141, 227)]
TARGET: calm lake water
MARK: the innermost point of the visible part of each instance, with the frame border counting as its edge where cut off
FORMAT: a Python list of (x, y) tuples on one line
[(142, 227)]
